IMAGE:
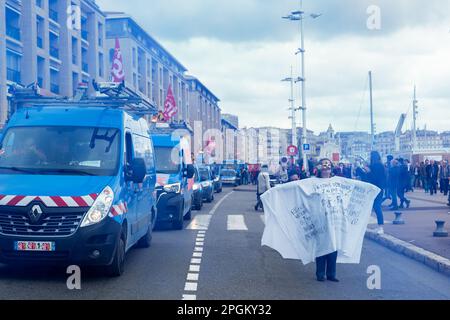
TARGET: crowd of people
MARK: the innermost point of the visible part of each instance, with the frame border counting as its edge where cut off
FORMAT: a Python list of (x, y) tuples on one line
[(396, 177)]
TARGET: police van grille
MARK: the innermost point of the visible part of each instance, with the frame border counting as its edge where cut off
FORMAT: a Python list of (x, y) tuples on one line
[(54, 225)]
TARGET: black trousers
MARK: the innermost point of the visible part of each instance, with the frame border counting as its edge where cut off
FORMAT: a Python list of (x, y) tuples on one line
[(432, 184), (326, 265)]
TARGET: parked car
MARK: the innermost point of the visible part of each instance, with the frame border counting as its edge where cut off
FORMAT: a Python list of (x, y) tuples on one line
[(229, 177), (207, 183), (217, 183), (197, 202)]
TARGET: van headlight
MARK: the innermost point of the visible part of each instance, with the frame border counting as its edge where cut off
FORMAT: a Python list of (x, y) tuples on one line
[(173, 188), (206, 184), (196, 186), (100, 208)]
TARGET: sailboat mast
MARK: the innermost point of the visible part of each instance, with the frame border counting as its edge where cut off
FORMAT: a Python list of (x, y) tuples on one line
[(372, 125)]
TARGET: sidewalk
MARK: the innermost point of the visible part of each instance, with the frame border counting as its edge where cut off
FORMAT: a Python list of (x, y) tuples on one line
[(415, 237)]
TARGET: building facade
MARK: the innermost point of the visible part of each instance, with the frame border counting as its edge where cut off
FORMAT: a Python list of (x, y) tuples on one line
[(149, 68), (54, 43)]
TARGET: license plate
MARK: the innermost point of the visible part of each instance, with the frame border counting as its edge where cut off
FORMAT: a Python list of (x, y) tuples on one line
[(34, 246)]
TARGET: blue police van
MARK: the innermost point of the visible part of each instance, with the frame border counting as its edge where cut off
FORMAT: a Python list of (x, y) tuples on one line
[(77, 183), (175, 177)]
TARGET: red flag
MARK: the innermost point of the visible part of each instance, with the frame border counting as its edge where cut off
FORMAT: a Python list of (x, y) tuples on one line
[(210, 146), (117, 72), (170, 106)]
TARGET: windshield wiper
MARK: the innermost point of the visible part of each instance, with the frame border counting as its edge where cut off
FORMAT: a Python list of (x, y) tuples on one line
[(15, 169)]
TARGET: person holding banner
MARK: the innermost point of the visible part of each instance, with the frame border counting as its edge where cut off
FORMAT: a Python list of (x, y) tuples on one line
[(326, 264)]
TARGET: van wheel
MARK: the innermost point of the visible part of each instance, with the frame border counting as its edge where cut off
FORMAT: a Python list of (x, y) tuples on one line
[(146, 241), (178, 224), (117, 267)]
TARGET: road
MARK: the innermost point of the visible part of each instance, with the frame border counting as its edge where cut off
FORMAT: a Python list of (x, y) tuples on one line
[(219, 256)]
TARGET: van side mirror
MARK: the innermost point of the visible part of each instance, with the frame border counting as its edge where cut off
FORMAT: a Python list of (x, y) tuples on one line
[(190, 171), (137, 171)]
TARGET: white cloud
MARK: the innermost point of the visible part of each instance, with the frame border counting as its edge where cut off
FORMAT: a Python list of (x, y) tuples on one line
[(241, 49)]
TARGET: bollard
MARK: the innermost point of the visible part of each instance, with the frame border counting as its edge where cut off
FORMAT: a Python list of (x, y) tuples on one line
[(440, 231), (398, 219)]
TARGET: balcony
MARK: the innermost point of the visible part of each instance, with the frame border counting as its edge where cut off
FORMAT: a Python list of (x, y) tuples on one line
[(54, 52), (53, 14), (84, 35), (13, 32), (13, 75), (40, 42), (54, 88)]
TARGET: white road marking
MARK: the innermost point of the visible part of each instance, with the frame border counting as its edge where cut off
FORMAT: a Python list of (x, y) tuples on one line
[(190, 286), (236, 223), (200, 222), (194, 268), (192, 277)]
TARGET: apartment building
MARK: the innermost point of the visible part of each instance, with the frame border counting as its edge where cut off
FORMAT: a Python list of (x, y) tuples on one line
[(149, 67), (54, 43)]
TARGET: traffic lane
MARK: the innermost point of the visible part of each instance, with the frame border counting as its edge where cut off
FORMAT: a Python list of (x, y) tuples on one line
[(156, 273), (236, 267)]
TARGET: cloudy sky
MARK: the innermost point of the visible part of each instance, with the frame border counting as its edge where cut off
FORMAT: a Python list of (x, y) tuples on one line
[(241, 49)]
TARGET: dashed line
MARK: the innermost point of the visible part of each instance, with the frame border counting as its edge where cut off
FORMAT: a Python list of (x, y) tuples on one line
[(200, 223)]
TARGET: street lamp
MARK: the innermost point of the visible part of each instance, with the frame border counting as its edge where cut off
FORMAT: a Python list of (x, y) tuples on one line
[(292, 108), (300, 16)]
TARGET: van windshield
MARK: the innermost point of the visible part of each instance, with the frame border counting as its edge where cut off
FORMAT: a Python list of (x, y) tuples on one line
[(167, 160), (60, 151), (204, 174)]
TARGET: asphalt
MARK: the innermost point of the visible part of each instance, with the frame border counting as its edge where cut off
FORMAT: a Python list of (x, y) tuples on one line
[(234, 266)]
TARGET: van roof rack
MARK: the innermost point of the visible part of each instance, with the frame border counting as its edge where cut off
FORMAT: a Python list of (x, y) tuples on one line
[(114, 95)]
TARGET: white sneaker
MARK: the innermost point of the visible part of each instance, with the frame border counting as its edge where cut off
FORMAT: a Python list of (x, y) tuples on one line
[(380, 231)]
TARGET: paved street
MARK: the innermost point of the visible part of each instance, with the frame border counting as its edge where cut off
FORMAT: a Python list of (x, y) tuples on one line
[(232, 265)]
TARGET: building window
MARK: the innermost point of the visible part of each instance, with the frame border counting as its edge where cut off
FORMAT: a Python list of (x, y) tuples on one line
[(12, 24), (54, 81), (101, 65), (100, 35), (134, 57), (13, 67), (134, 80)]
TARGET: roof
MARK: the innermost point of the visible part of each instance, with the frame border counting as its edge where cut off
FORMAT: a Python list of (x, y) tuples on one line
[(228, 123), (112, 15), (68, 116), (194, 79)]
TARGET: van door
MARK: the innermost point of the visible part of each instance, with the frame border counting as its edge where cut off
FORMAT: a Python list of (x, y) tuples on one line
[(144, 191), (130, 194)]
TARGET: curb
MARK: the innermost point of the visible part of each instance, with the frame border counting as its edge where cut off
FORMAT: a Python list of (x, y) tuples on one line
[(432, 260)]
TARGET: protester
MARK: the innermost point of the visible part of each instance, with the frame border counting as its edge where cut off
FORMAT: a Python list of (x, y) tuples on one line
[(444, 174), (403, 183), (263, 186), (326, 264), (377, 177), (394, 173), (423, 175), (432, 171), (387, 190)]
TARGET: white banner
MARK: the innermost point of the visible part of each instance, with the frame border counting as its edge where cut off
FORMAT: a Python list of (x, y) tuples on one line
[(315, 217)]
